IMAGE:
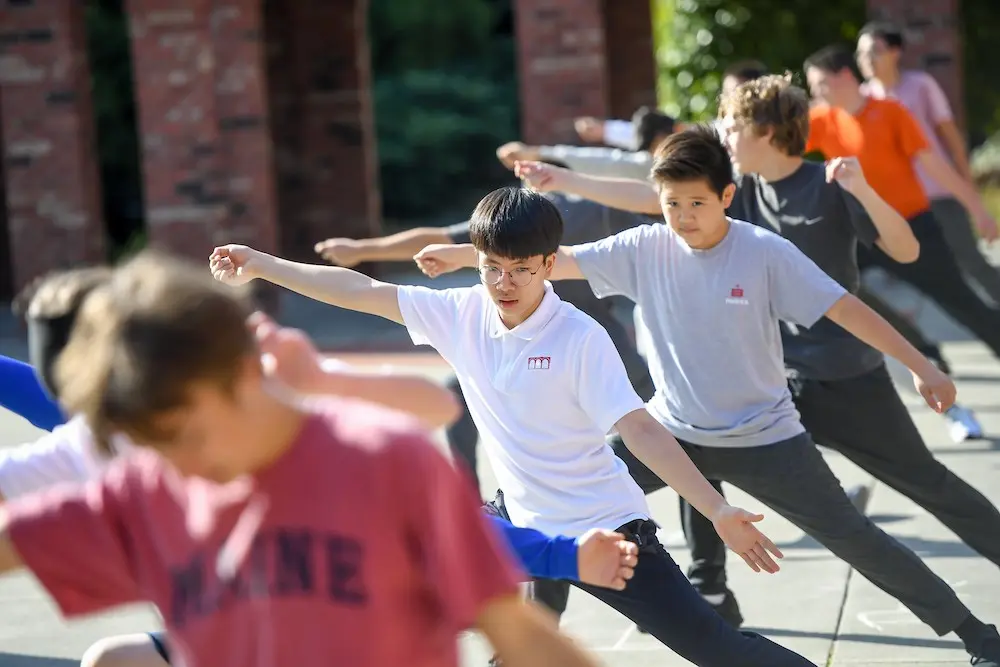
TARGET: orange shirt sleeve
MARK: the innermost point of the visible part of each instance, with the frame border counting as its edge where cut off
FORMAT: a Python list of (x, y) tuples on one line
[(908, 132), (817, 117)]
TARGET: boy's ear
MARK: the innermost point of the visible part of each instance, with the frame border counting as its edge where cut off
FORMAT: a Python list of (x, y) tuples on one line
[(727, 195)]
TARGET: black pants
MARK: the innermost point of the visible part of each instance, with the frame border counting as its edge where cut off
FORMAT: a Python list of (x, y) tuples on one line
[(661, 600), (463, 436), (793, 479), (937, 275), (864, 419)]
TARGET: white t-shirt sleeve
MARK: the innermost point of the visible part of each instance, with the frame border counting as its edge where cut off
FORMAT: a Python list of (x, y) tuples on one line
[(620, 134), (67, 454), (603, 388), (801, 292), (433, 317), (611, 265)]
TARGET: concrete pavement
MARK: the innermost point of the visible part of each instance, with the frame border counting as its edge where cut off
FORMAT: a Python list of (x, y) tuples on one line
[(815, 605)]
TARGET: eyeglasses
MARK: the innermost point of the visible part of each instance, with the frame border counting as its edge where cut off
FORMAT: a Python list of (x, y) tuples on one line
[(521, 276)]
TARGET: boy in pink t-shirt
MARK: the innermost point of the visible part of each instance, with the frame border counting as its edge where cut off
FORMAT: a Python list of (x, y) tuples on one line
[(266, 532)]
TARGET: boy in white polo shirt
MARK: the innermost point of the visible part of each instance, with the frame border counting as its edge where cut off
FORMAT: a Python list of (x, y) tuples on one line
[(544, 385), (712, 292)]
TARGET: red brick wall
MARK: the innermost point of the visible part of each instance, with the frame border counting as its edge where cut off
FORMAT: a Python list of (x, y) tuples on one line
[(581, 58), (52, 189), (561, 65), (203, 124), (933, 41), (324, 135), (630, 51)]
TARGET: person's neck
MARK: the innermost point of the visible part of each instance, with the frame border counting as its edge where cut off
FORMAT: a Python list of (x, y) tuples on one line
[(854, 102), (889, 80), (716, 238), (779, 166), (279, 424), (511, 322)]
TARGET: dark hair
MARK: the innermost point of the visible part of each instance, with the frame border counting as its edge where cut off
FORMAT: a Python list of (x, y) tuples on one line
[(649, 125), (745, 70), (888, 32), (50, 306), (141, 340), (695, 153), (516, 223), (834, 59)]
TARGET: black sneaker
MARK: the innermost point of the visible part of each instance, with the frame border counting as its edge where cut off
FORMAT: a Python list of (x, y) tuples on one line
[(987, 654), (728, 609)]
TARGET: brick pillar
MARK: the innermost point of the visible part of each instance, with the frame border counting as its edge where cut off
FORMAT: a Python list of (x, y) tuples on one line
[(628, 30), (52, 182), (561, 66), (203, 122), (933, 41), (324, 135)]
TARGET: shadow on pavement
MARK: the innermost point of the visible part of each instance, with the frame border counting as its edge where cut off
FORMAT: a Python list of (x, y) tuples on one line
[(15, 660), (947, 644)]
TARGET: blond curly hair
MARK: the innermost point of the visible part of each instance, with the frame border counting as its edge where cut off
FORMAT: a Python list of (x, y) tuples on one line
[(771, 103)]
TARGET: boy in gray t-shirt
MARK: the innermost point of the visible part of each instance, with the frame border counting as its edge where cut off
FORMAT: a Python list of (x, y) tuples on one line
[(712, 292)]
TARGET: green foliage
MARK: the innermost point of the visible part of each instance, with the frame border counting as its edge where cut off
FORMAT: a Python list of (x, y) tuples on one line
[(424, 34), (985, 162), (697, 39), (980, 25), (445, 97), (437, 132)]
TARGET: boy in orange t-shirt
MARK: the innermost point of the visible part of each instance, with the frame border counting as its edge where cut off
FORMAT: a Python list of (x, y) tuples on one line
[(887, 141)]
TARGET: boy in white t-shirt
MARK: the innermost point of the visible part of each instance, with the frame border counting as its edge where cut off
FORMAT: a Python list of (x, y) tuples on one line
[(544, 385)]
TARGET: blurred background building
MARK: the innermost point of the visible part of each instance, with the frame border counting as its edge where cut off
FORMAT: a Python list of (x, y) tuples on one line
[(283, 122)]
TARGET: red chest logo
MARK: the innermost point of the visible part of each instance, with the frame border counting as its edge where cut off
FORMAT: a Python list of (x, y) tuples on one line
[(736, 292), (539, 363)]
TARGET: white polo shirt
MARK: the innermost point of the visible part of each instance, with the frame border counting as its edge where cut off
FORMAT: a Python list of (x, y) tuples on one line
[(543, 395)]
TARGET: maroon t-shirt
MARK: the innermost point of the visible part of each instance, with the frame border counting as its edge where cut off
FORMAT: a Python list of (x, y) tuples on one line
[(361, 545)]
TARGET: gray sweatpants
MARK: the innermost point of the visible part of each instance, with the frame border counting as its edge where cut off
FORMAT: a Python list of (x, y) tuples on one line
[(793, 479)]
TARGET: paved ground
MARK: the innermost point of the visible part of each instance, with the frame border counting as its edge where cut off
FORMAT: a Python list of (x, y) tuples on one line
[(815, 605)]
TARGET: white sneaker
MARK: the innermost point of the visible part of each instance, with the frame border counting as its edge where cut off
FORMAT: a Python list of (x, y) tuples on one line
[(962, 424)]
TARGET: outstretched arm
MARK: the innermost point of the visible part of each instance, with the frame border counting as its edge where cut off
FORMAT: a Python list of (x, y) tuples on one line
[(524, 636), (853, 315), (23, 394), (238, 264), (436, 260), (433, 404), (399, 247), (621, 193), (895, 237)]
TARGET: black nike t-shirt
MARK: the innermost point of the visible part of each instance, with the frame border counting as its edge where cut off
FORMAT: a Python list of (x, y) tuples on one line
[(826, 223)]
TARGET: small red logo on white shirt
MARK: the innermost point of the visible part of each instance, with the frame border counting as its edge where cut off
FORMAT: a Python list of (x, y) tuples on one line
[(736, 297), (539, 363)]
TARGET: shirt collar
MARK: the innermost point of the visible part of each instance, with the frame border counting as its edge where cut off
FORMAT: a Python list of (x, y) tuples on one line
[(536, 322)]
